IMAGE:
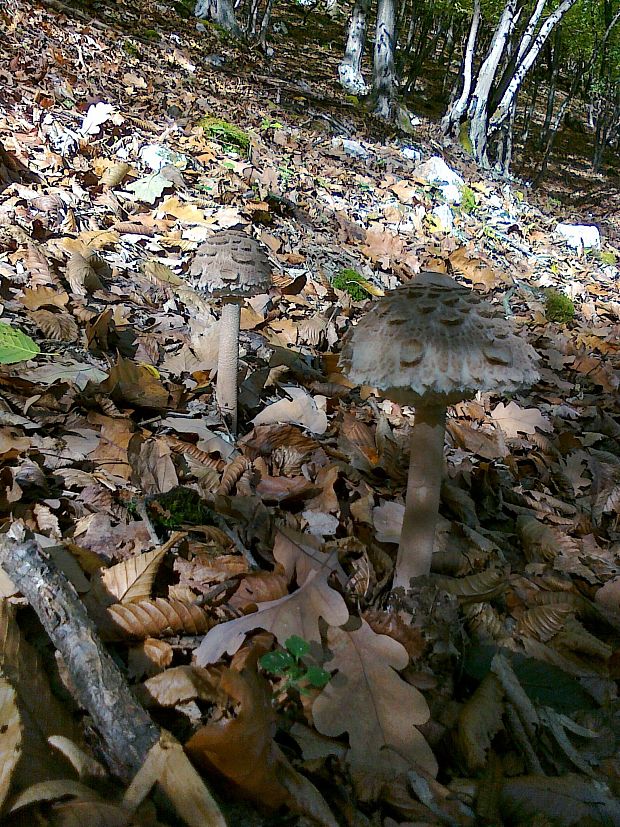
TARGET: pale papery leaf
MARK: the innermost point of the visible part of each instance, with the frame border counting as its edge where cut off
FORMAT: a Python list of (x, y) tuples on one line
[(368, 699), (515, 420), (296, 614)]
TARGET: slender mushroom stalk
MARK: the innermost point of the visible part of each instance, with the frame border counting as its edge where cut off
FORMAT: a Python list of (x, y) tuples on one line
[(430, 344), (228, 362), (230, 266), (417, 537)]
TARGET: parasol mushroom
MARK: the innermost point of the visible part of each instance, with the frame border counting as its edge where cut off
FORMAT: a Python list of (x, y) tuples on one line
[(230, 266), (432, 343)]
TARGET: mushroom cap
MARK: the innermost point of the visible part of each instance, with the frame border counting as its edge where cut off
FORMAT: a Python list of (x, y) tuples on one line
[(230, 264), (436, 342)]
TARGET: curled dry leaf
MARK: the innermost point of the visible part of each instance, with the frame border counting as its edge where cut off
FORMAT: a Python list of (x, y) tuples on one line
[(153, 618), (232, 474), (81, 275), (180, 684), (368, 699), (35, 298), (477, 587), (131, 580), (40, 273)]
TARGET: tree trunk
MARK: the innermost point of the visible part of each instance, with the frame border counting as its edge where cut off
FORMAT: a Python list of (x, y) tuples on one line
[(384, 78), (454, 113), (527, 61), (350, 69), (221, 12), (478, 111)]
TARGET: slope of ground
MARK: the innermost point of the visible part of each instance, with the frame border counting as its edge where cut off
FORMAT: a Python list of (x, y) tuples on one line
[(489, 694)]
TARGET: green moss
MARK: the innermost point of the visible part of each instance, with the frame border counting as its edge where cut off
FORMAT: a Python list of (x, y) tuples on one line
[(130, 48), (349, 280), (558, 307), (607, 257), (150, 34), (178, 507), (225, 133), (469, 202), (464, 139), (184, 8)]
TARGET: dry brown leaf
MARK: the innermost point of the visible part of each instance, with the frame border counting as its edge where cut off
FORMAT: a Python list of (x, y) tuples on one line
[(477, 587), (81, 275), (296, 614), (368, 699), (543, 543), (132, 580), (242, 749), (180, 684), (114, 174), (168, 765), (232, 473), (301, 554), (38, 297), (153, 618), (38, 268), (61, 327), (480, 719), (135, 384), (112, 452), (149, 657), (567, 800), (259, 587)]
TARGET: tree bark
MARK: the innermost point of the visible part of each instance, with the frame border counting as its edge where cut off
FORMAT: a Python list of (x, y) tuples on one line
[(384, 75), (455, 112), (350, 69), (527, 61), (478, 106), (221, 12)]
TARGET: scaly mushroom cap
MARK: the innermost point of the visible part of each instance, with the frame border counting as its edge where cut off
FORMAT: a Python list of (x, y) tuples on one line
[(230, 264), (432, 339)]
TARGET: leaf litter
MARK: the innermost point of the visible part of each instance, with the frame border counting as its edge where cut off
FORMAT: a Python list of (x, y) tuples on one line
[(196, 553)]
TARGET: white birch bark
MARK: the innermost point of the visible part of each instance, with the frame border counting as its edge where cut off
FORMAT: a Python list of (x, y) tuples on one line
[(478, 106), (454, 113), (503, 109), (350, 69), (384, 78)]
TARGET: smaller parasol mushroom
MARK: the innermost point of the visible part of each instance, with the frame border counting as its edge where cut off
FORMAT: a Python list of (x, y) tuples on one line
[(430, 344), (230, 266)]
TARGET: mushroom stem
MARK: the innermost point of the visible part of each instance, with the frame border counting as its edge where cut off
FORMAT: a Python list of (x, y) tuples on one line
[(228, 361), (423, 489)]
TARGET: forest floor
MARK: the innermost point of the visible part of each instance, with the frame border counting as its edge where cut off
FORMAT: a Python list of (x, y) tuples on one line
[(486, 695)]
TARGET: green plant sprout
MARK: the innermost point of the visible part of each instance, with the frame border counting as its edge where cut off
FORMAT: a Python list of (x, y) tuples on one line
[(290, 665), (558, 306), (268, 123), (469, 202)]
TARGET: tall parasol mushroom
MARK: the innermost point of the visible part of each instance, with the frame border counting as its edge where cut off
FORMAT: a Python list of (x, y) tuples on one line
[(430, 344), (230, 266)]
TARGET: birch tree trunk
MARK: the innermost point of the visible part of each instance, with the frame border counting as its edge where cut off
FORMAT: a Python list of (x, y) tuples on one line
[(384, 76), (527, 61), (454, 113), (350, 69), (221, 12), (478, 106)]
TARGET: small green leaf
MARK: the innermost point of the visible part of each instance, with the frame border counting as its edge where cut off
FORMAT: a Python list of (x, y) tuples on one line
[(277, 662), (297, 646), (317, 677), (15, 346)]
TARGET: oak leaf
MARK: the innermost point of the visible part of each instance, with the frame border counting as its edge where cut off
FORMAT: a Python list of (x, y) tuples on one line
[(369, 700)]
